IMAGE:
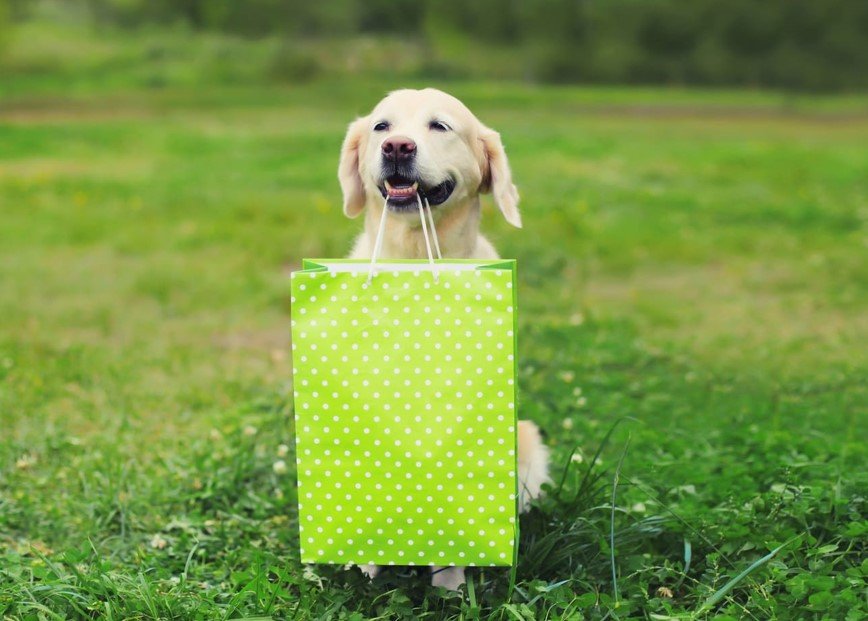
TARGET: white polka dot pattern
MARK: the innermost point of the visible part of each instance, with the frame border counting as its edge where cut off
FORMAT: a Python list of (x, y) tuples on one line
[(405, 416)]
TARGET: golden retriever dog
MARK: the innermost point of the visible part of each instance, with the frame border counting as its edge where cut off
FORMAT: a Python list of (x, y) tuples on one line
[(426, 145)]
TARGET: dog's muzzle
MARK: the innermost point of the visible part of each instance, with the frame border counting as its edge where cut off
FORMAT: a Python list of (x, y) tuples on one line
[(402, 191), (399, 181)]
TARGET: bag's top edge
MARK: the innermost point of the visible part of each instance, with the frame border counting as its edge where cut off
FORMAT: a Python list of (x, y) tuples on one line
[(412, 261), (318, 265)]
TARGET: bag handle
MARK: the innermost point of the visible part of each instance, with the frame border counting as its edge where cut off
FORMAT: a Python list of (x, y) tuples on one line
[(378, 242), (431, 221)]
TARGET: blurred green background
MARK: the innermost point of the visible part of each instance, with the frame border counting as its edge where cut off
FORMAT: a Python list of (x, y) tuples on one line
[(792, 44), (695, 197)]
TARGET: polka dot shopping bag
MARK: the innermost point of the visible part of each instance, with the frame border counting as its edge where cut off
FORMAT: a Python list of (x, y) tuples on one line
[(405, 413)]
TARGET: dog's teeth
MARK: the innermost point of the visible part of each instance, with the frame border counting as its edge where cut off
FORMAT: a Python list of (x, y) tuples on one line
[(403, 191)]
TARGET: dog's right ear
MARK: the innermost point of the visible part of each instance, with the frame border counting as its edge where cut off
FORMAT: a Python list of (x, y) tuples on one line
[(348, 170)]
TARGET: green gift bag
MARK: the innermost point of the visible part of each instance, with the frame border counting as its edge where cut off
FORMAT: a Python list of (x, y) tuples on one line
[(405, 412)]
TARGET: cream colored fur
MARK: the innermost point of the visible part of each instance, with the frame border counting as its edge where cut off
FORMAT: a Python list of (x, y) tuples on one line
[(473, 156)]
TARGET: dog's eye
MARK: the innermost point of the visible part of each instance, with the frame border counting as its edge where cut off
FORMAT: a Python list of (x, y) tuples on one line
[(439, 126), (381, 126)]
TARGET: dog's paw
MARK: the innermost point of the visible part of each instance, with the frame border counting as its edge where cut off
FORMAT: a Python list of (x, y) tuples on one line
[(450, 578), (370, 571)]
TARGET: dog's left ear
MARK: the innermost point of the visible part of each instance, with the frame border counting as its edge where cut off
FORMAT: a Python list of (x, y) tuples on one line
[(348, 170), (496, 176)]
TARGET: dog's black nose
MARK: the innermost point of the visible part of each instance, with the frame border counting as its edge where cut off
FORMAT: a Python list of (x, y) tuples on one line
[(398, 149)]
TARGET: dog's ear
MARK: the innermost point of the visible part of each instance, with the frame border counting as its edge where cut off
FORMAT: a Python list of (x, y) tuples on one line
[(496, 176), (348, 170)]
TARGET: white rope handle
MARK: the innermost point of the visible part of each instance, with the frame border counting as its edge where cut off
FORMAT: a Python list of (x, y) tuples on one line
[(425, 233), (378, 242), (433, 230)]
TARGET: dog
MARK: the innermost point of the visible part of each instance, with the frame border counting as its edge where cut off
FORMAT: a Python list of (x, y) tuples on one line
[(426, 144)]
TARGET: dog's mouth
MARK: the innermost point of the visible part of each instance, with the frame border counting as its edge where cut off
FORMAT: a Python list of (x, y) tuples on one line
[(402, 192)]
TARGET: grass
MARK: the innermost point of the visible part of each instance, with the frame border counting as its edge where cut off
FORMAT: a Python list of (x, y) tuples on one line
[(692, 275)]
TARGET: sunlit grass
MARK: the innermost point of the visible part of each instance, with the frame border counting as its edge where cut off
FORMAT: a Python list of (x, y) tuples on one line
[(695, 262)]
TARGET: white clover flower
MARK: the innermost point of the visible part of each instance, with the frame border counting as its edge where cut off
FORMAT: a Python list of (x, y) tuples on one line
[(567, 376), (279, 467), (567, 423), (282, 450), (577, 458), (577, 391), (25, 461), (581, 402), (249, 430), (158, 543)]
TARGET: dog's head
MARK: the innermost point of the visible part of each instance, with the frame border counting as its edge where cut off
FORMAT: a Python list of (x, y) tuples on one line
[(423, 143)]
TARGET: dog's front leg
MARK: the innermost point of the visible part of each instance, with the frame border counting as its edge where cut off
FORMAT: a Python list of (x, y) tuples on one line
[(370, 571), (450, 578)]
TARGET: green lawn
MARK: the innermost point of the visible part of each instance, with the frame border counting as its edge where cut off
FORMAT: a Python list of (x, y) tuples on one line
[(692, 262)]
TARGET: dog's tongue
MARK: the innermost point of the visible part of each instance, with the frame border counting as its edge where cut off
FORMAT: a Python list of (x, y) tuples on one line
[(402, 191)]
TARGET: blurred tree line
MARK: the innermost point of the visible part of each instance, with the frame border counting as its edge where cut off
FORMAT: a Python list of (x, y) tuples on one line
[(796, 44)]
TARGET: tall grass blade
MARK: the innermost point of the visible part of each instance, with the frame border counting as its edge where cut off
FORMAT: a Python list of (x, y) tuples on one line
[(688, 555), (612, 522), (599, 451), (729, 586)]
